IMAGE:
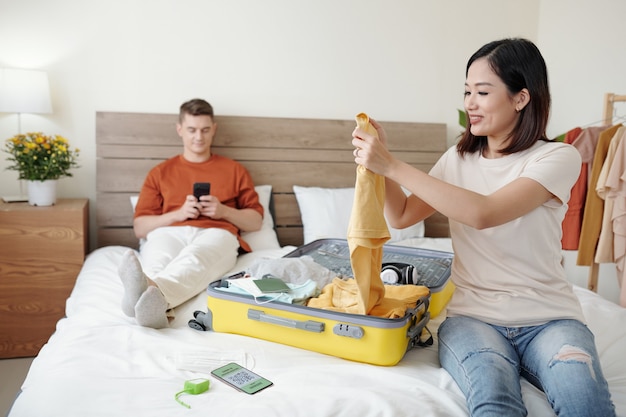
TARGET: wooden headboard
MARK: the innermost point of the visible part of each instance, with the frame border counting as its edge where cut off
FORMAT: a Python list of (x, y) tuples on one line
[(278, 151)]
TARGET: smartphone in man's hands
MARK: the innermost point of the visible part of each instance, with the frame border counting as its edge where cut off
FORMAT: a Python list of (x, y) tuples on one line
[(200, 189)]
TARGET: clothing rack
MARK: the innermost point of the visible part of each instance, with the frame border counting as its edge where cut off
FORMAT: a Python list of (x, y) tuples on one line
[(607, 117), (609, 100)]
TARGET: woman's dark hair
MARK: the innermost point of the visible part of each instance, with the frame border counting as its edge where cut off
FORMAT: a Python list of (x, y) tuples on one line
[(519, 65), (195, 107)]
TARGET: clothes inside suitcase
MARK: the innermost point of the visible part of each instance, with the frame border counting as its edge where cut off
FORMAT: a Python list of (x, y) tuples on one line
[(362, 338), (432, 267)]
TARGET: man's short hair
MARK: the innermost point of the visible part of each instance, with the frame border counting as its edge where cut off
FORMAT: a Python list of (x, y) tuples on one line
[(195, 107)]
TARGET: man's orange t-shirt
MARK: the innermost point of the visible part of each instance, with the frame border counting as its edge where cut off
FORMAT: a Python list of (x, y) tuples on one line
[(169, 183)]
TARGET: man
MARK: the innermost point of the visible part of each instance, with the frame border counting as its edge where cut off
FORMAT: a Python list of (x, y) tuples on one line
[(189, 242)]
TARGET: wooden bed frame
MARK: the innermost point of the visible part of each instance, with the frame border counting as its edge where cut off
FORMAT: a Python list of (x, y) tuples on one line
[(278, 151)]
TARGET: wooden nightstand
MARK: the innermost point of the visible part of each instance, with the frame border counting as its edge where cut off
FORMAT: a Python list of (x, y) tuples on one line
[(41, 252)]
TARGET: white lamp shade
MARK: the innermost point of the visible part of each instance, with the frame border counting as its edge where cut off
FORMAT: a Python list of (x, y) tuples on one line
[(24, 91)]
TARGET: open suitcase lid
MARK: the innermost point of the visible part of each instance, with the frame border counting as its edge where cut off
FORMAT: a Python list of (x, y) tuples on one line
[(432, 266)]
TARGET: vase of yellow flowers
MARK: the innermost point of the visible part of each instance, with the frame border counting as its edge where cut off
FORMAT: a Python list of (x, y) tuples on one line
[(41, 160)]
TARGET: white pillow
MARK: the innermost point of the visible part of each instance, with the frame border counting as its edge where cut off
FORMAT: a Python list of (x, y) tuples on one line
[(266, 237), (133, 201), (326, 213)]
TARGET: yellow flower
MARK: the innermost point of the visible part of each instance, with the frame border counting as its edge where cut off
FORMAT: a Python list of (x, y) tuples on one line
[(40, 157)]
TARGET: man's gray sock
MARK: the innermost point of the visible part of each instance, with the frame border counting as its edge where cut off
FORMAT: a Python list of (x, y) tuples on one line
[(151, 308), (134, 280)]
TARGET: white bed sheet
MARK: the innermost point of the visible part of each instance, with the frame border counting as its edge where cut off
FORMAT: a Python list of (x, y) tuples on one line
[(99, 363)]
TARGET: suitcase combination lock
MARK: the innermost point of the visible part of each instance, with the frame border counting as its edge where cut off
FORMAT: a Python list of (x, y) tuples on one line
[(342, 329)]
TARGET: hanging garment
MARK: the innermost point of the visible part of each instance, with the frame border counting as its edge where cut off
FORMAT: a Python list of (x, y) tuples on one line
[(367, 230), (594, 205), (586, 143), (616, 190), (574, 215), (604, 251)]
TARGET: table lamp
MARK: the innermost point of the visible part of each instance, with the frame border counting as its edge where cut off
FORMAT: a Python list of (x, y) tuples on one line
[(23, 91)]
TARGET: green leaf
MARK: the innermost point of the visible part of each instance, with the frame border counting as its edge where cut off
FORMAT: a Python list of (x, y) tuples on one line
[(462, 118)]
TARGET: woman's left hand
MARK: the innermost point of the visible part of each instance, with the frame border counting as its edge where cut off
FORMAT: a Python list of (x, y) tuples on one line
[(371, 151)]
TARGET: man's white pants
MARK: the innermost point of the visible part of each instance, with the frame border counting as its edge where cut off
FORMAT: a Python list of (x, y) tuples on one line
[(184, 260)]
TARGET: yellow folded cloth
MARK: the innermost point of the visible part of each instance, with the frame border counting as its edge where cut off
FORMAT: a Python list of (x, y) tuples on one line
[(367, 231), (343, 295)]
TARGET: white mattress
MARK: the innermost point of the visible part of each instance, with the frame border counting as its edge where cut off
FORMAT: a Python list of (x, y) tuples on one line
[(99, 363)]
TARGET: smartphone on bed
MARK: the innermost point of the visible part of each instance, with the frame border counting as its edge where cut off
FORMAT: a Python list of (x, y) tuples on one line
[(201, 188), (241, 378)]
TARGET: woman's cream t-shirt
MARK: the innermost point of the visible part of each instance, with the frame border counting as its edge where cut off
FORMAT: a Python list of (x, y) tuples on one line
[(512, 275)]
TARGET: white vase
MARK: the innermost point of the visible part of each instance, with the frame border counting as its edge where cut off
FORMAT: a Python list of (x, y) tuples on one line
[(42, 193)]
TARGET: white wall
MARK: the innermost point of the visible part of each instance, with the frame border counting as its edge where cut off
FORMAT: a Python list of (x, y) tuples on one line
[(400, 60), (583, 44)]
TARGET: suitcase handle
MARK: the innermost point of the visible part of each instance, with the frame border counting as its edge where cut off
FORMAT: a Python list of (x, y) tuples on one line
[(308, 325), (416, 329)]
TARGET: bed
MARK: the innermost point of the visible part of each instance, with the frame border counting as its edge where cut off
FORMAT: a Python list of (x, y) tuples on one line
[(98, 362)]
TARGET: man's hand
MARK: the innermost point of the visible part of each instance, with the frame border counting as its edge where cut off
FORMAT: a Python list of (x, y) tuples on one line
[(210, 206), (190, 209)]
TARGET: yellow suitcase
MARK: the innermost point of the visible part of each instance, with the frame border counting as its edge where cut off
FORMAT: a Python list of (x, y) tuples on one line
[(361, 338)]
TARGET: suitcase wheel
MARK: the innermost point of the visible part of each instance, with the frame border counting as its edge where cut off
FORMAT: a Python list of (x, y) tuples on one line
[(197, 322)]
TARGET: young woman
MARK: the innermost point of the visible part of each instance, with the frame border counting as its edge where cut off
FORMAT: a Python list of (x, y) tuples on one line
[(504, 188)]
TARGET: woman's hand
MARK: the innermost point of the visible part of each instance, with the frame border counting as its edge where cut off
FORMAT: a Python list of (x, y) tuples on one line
[(371, 151), (382, 135)]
